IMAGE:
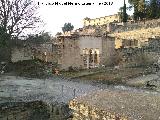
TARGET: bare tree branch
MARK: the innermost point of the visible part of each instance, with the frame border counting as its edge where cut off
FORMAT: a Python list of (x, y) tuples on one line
[(18, 15)]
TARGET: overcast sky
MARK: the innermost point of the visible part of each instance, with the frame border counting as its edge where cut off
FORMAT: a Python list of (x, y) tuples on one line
[(55, 16)]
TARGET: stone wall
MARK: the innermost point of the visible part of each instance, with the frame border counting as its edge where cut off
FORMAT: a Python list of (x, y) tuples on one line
[(108, 47), (136, 26), (46, 52), (133, 57), (70, 53), (36, 110), (101, 20), (142, 36), (20, 54), (85, 112), (90, 42), (139, 31)]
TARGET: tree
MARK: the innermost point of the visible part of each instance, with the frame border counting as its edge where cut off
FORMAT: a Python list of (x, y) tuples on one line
[(149, 9), (3, 37), (121, 13), (17, 16), (38, 39), (67, 27), (154, 9), (125, 16), (139, 8)]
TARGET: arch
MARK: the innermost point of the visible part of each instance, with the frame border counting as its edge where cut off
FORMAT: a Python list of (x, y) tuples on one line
[(85, 51)]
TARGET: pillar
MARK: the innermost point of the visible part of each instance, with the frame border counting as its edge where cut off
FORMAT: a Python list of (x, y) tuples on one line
[(93, 58), (87, 60)]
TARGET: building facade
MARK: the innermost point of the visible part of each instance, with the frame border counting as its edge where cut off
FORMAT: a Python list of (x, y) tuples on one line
[(85, 51)]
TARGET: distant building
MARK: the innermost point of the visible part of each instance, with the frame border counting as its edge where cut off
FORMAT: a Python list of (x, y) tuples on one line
[(102, 20)]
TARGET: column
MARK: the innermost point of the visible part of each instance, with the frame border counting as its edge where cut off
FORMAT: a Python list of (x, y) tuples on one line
[(93, 58), (87, 60)]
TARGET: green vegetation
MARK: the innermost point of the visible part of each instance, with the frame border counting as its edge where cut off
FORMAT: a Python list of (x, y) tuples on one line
[(125, 16), (17, 16), (41, 38), (67, 27), (3, 37), (143, 9), (139, 10), (153, 9)]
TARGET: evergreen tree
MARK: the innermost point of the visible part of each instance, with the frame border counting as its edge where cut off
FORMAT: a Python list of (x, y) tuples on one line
[(4, 37), (154, 9), (149, 9), (67, 27), (139, 8), (125, 16)]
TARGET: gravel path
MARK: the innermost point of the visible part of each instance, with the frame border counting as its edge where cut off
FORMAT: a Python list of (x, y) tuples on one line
[(49, 90), (14, 88)]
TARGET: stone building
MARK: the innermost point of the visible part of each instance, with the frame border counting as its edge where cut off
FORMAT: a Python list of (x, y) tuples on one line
[(102, 20), (84, 51)]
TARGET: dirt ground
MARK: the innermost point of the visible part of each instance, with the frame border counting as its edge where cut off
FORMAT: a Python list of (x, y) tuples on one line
[(30, 68)]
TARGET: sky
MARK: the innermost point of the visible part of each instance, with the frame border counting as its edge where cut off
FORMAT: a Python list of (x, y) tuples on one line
[(55, 16)]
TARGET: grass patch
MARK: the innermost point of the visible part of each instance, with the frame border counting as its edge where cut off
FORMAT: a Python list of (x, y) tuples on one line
[(107, 75)]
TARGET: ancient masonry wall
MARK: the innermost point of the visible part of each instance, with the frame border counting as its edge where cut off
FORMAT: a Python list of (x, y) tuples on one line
[(108, 50), (136, 26), (45, 52), (19, 54), (70, 54), (86, 112), (136, 31)]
